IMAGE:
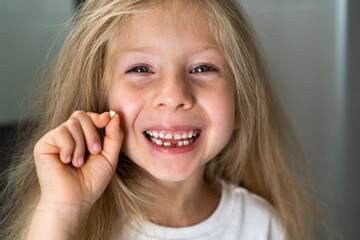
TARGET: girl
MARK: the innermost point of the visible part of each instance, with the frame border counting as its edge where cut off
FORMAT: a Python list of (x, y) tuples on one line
[(197, 149)]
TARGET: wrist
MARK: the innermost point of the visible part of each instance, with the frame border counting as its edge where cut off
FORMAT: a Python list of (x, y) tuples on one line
[(56, 221), (69, 212), (69, 217)]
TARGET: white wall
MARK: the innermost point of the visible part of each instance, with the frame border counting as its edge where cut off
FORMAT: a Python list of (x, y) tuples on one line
[(27, 31)]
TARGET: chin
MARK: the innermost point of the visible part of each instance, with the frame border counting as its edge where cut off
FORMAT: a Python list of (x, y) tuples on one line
[(174, 173)]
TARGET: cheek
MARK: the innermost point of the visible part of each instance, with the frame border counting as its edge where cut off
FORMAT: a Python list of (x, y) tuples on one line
[(221, 107), (221, 111), (127, 102)]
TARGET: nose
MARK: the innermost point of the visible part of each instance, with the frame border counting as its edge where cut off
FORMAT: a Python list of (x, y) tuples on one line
[(173, 92)]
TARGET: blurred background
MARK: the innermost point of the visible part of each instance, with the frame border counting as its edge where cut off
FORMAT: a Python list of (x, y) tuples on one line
[(312, 48)]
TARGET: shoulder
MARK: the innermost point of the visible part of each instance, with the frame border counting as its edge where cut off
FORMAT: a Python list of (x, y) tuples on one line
[(251, 214), (248, 201)]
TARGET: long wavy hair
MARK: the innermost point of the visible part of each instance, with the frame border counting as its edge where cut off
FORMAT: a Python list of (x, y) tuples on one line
[(262, 154)]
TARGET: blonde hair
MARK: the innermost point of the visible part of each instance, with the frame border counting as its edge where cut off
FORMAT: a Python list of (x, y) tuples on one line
[(259, 156)]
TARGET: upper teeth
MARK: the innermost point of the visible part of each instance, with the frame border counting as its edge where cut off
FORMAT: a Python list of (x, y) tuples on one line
[(176, 136)]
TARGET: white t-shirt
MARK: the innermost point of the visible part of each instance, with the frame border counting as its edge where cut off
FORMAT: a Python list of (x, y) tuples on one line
[(239, 215)]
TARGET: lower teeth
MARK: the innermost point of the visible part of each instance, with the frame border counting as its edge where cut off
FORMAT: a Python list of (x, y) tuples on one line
[(169, 144)]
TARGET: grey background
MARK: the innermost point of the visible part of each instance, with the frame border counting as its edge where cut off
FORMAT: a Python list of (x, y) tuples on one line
[(28, 29), (312, 47), (312, 51)]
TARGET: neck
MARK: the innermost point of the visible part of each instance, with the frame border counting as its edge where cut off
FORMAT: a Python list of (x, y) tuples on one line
[(184, 203)]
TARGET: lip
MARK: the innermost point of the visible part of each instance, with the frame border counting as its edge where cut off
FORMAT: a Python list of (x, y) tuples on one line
[(172, 128), (175, 149)]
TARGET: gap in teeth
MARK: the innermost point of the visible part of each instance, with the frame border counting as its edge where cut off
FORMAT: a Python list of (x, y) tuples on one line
[(169, 136), (186, 138)]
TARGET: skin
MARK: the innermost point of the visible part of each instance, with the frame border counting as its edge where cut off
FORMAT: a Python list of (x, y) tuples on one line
[(70, 187), (171, 96), (154, 87)]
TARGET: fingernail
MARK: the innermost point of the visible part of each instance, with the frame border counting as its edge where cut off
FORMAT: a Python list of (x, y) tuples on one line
[(112, 113), (68, 159), (80, 161), (97, 147)]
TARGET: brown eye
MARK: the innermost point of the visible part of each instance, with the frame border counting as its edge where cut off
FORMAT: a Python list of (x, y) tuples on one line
[(201, 69)]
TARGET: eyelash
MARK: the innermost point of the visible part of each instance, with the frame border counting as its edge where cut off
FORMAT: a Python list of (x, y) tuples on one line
[(132, 69), (209, 69), (142, 67)]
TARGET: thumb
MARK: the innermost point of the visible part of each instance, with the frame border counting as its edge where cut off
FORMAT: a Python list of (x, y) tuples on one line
[(112, 141)]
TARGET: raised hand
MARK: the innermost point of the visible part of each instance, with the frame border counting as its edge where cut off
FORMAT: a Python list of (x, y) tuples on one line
[(74, 167)]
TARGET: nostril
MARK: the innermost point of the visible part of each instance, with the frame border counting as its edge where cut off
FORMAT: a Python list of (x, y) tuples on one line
[(161, 104), (173, 100)]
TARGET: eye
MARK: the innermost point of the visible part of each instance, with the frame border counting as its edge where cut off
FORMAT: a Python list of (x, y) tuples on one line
[(140, 69), (202, 68)]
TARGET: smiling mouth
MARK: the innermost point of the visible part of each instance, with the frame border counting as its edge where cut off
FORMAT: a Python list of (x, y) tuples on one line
[(169, 139)]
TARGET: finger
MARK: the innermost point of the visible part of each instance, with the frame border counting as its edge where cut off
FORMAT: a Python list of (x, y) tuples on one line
[(112, 141), (100, 120), (74, 128), (92, 138), (58, 141)]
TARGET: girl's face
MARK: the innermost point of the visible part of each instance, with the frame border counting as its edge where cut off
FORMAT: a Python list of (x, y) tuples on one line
[(172, 90)]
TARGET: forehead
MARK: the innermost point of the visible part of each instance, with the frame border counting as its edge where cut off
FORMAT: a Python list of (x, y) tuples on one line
[(174, 25)]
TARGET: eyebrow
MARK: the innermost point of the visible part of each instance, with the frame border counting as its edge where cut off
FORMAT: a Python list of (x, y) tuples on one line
[(206, 48), (150, 50), (137, 50)]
